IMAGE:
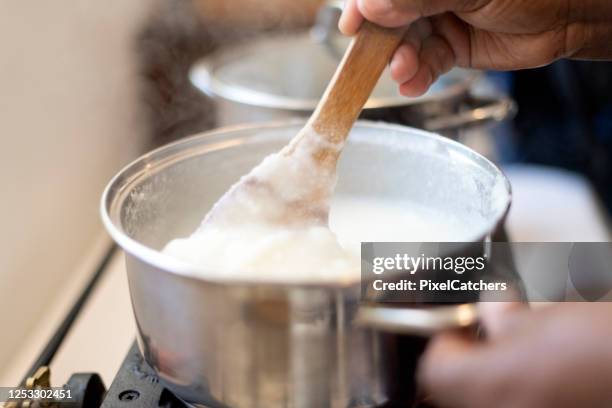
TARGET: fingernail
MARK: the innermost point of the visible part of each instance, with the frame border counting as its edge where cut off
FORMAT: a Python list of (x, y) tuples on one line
[(341, 22), (343, 16)]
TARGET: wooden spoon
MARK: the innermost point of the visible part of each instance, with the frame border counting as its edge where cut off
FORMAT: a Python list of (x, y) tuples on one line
[(293, 187), (354, 80)]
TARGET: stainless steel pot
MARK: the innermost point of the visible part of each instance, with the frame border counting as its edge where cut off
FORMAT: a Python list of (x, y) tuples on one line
[(284, 76), (248, 344)]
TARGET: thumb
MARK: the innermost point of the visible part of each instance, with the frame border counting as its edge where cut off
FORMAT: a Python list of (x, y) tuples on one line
[(445, 370), (501, 318), (395, 13)]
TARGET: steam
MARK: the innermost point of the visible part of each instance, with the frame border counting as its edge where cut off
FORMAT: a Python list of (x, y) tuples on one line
[(180, 32)]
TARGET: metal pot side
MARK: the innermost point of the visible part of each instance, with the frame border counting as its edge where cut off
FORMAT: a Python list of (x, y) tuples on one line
[(256, 83), (253, 344)]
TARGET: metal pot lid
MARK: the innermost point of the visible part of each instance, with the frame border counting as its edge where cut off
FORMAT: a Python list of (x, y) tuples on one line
[(291, 72)]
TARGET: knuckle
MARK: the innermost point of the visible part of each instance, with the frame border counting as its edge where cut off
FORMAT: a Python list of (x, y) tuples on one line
[(386, 12), (376, 9), (433, 374)]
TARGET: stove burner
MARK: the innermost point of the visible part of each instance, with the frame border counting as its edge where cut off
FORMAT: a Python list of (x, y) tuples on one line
[(137, 385)]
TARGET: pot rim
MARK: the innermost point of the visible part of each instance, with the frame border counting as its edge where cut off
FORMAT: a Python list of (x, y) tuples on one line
[(202, 76), (160, 157)]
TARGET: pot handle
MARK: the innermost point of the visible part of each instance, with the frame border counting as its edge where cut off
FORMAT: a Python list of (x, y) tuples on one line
[(477, 111), (418, 321), (326, 27)]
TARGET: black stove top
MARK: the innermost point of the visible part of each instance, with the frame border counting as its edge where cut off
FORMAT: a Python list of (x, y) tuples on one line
[(136, 385)]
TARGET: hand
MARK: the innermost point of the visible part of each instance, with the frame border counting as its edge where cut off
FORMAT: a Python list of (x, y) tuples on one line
[(558, 356), (484, 34)]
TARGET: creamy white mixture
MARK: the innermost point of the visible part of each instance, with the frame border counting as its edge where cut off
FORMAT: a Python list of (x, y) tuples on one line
[(367, 219), (315, 253), (273, 224), (267, 253), (291, 187)]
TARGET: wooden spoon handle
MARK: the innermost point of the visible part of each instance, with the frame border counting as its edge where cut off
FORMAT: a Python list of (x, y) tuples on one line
[(354, 80)]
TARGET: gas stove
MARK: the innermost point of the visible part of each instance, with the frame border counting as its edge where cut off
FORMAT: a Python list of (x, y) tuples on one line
[(137, 385), (134, 384)]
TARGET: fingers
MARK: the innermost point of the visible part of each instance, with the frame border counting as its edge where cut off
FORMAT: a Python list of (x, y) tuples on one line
[(351, 18), (457, 371), (404, 64), (388, 13), (432, 46), (456, 34), (447, 367), (425, 55), (396, 13), (418, 85), (501, 318), (434, 59), (554, 357)]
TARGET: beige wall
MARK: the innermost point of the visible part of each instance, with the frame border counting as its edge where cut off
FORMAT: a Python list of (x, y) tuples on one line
[(69, 119), (258, 13)]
